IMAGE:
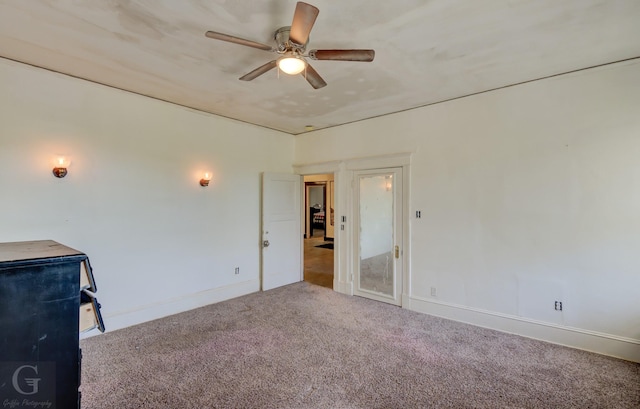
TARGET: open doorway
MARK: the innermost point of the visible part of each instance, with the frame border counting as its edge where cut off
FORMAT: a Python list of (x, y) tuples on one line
[(319, 229)]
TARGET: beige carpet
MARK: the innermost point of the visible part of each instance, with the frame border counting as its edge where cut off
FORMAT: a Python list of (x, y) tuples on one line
[(304, 346)]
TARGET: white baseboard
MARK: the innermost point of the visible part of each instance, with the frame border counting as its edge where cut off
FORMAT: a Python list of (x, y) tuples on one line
[(606, 344), (601, 343), (176, 305)]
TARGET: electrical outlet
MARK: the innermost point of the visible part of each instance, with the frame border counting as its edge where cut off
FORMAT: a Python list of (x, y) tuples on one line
[(237, 270), (558, 306), (433, 291), (418, 214)]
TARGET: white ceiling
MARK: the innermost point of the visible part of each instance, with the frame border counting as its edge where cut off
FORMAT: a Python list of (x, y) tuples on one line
[(427, 51)]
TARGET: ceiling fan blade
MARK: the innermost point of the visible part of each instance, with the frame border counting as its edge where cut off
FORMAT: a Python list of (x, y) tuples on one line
[(313, 77), (238, 40), (343, 55), (259, 71), (303, 19)]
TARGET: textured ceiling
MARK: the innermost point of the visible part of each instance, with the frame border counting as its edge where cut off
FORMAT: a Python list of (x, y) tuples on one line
[(427, 51)]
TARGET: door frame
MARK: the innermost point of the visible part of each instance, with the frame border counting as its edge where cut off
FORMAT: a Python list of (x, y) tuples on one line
[(343, 242)]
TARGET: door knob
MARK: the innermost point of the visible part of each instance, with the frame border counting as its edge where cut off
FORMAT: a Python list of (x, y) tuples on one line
[(265, 243)]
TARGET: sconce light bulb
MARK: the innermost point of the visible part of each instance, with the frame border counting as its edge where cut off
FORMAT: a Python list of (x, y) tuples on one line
[(205, 179), (62, 162), (60, 168)]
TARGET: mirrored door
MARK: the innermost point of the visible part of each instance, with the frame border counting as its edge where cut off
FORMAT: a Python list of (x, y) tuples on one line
[(378, 212)]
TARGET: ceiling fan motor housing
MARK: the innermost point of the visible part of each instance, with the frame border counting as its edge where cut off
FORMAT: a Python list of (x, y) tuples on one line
[(284, 44)]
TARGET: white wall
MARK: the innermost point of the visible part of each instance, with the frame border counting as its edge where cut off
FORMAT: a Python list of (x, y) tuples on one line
[(528, 194), (158, 241)]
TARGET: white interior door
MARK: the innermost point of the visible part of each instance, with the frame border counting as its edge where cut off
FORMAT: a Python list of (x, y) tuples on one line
[(281, 230), (378, 218)]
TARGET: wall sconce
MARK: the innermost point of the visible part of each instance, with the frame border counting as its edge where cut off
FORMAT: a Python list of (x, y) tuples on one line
[(206, 178), (60, 167)]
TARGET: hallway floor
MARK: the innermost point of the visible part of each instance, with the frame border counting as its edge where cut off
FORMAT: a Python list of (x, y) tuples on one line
[(318, 261)]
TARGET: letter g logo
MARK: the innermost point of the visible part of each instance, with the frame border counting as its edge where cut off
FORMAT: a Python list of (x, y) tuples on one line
[(32, 382)]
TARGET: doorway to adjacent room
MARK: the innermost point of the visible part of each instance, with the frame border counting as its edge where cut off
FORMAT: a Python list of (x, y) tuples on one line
[(319, 229)]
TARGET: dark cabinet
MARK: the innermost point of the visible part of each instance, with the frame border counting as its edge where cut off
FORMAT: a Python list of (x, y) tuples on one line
[(40, 299)]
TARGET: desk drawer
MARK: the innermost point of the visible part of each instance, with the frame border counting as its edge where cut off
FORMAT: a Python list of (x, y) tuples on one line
[(90, 316), (86, 277)]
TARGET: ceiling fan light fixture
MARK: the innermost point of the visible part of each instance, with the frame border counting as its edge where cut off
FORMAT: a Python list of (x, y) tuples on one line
[(291, 64)]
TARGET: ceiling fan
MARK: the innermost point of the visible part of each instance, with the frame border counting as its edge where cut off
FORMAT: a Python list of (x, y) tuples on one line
[(291, 44)]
